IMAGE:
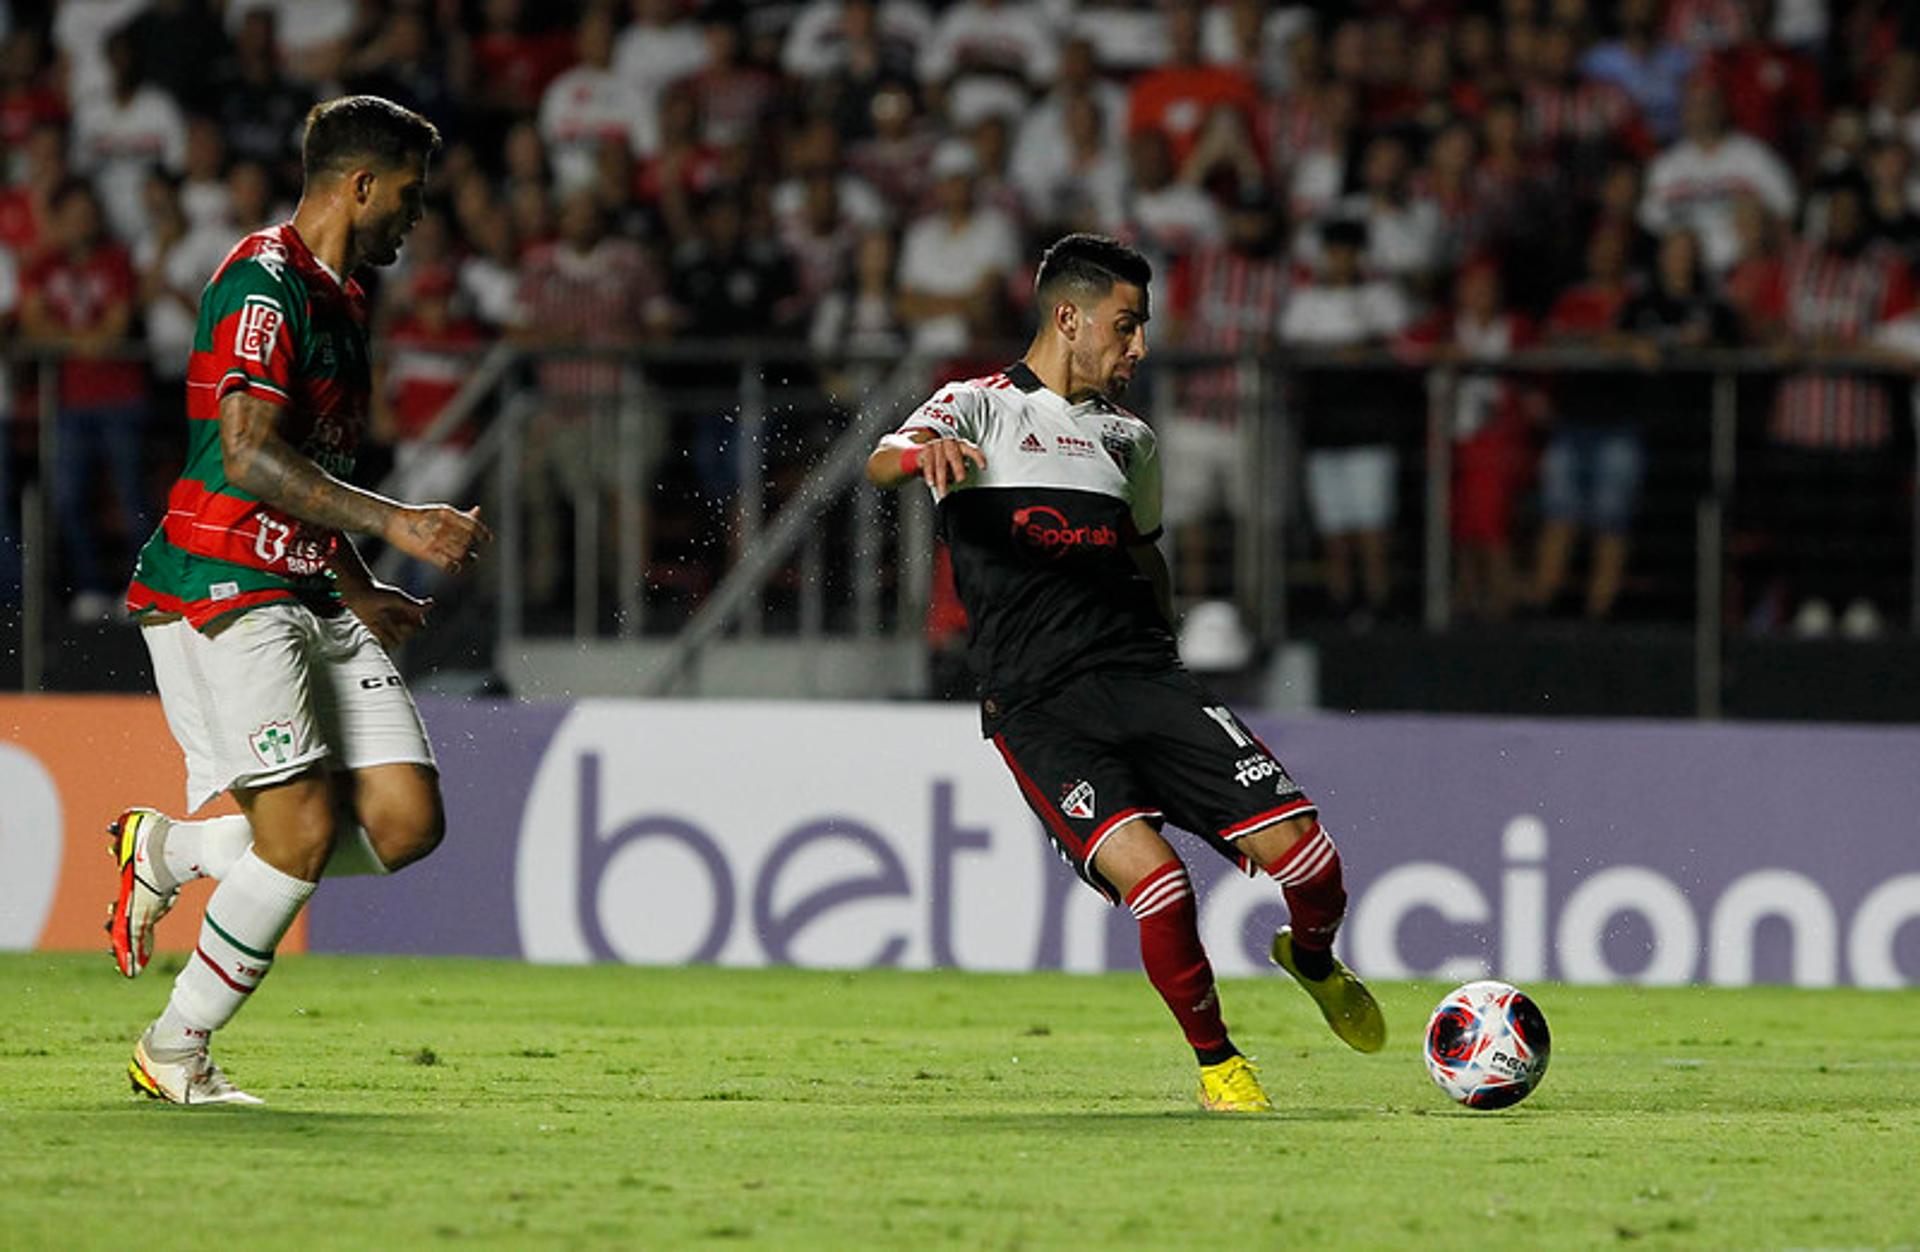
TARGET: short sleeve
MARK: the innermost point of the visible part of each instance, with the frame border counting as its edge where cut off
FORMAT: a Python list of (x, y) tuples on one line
[(254, 316), (1143, 486), (953, 412)]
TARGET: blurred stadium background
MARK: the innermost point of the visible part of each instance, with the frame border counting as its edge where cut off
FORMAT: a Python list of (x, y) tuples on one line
[(1605, 308)]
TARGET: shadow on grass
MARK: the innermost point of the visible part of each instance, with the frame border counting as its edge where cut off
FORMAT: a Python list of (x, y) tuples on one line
[(1129, 1121), (222, 1123)]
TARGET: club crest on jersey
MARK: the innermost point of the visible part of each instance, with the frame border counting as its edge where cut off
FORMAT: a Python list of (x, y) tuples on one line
[(260, 321), (1119, 447), (1076, 800), (1032, 444), (272, 742)]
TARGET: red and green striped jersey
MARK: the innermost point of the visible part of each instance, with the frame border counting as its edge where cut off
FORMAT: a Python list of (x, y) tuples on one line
[(276, 323)]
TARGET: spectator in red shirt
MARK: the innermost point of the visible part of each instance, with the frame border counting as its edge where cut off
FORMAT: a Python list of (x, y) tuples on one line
[(1832, 482), (26, 207), (1492, 421), (1226, 298), (1390, 96), (431, 348), (1177, 98), (1751, 285), (733, 94), (1772, 92), (27, 99), (513, 60), (77, 301), (1582, 121), (595, 294), (1595, 460)]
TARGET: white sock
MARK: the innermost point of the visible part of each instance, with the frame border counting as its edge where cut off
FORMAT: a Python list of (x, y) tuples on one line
[(246, 916), (207, 849)]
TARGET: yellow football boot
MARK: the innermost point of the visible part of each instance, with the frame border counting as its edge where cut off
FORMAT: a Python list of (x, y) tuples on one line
[(1344, 1000), (1232, 1087)]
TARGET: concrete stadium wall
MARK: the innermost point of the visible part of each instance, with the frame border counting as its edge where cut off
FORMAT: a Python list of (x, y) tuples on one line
[(849, 835)]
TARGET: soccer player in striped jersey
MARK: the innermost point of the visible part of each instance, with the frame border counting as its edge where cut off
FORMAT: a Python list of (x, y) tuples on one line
[(1048, 495), (268, 634)]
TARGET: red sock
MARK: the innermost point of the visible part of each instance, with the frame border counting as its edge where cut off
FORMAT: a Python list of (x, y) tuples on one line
[(1170, 949), (1309, 878)]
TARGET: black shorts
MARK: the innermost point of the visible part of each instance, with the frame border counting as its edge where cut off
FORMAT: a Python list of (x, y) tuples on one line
[(1110, 747)]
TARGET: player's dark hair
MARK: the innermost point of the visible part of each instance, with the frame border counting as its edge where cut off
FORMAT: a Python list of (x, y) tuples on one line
[(1084, 268), (364, 129)]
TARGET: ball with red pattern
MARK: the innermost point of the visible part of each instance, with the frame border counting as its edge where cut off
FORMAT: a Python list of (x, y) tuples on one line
[(1488, 1045)]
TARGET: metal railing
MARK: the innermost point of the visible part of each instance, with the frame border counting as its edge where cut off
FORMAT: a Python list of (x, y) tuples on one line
[(791, 521)]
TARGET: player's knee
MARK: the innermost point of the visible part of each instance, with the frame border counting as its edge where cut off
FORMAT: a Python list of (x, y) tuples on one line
[(1263, 847), (308, 834), (293, 825), (405, 832)]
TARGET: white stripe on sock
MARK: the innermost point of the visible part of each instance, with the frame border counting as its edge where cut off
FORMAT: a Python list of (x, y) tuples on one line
[(1308, 859), (1159, 894), (1163, 906), (254, 905)]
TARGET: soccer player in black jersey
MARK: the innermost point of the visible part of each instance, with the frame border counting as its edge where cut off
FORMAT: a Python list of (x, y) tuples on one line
[(1049, 498)]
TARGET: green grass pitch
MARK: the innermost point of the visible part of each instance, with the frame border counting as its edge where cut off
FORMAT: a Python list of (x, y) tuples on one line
[(424, 1103)]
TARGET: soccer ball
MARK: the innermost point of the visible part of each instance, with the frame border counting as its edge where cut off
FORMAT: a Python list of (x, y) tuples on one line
[(1487, 1045)]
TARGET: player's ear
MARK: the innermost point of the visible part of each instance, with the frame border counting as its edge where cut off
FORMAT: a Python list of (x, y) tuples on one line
[(363, 181), (1066, 319)]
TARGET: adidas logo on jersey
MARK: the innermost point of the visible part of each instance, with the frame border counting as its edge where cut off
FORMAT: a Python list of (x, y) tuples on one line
[(1032, 443)]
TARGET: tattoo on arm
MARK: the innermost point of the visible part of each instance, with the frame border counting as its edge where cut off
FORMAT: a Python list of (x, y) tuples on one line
[(258, 460)]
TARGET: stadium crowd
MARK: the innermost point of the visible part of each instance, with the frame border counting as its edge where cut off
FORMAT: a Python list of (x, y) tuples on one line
[(1454, 180)]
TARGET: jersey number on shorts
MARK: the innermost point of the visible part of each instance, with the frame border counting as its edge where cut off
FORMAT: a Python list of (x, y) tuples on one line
[(1229, 723)]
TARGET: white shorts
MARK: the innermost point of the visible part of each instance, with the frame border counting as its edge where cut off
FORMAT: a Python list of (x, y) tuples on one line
[(277, 691), (1351, 489), (1202, 465)]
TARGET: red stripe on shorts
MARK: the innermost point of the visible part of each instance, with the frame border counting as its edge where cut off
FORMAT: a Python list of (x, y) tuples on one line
[(1038, 801)]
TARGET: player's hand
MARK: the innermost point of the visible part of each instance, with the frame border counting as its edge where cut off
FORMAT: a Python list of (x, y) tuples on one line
[(946, 463), (439, 534), (390, 613)]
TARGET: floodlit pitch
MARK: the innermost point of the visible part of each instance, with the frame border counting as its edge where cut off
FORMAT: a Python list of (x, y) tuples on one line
[(420, 1102)]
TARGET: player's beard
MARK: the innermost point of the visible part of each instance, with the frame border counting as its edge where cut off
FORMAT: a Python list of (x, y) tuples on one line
[(1115, 383), (390, 234)]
